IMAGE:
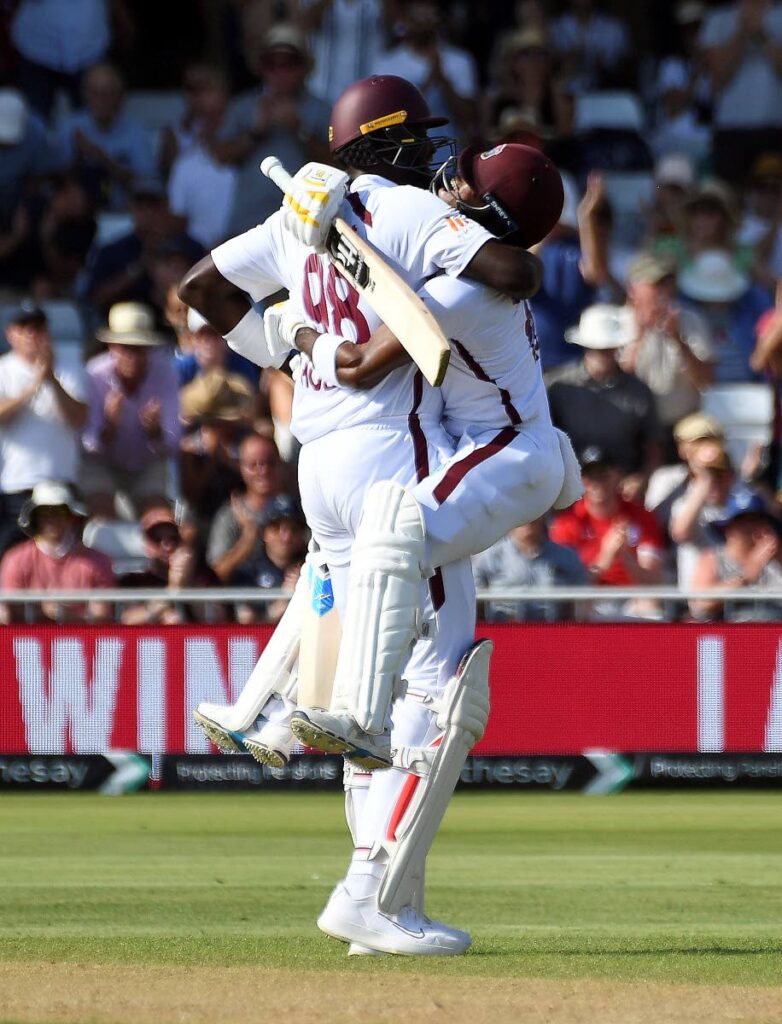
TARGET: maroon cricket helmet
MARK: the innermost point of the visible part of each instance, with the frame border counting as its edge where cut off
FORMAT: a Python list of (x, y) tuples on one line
[(520, 183), (374, 103)]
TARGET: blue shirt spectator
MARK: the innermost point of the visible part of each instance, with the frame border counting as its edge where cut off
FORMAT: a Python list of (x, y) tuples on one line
[(528, 558), (731, 306), (25, 150), (563, 296), (108, 149)]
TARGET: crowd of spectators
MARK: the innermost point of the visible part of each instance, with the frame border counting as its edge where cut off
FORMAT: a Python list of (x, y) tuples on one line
[(136, 450)]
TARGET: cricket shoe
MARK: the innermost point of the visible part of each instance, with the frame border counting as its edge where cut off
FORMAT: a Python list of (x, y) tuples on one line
[(338, 733), (356, 949), (214, 719), (269, 742), (408, 933)]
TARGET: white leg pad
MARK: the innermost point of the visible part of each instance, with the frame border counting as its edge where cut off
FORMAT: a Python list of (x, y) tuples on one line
[(384, 594), (462, 714), (356, 784)]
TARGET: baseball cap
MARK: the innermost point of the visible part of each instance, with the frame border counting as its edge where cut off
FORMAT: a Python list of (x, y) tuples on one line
[(158, 516), (595, 457), (27, 312), (649, 268), (744, 501), (283, 507), (696, 426)]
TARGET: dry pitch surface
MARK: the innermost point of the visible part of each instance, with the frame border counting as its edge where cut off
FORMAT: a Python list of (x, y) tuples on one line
[(163, 908)]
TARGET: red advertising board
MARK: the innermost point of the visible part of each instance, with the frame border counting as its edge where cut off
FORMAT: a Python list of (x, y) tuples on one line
[(556, 689)]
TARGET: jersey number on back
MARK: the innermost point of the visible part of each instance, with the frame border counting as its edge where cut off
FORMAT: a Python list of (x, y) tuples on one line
[(332, 303)]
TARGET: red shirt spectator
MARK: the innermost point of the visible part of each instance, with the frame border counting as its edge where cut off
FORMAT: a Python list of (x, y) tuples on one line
[(55, 558), (619, 541)]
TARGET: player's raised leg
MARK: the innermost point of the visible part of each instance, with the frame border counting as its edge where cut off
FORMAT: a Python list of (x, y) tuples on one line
[(381, 616)]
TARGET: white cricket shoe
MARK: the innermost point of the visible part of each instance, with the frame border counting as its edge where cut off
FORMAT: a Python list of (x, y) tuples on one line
[(408, 933), (268, 742), (338, 733), (215, 720)]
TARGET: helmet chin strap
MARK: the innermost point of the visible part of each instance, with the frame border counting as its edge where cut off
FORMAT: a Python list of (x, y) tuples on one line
[(491, 214)]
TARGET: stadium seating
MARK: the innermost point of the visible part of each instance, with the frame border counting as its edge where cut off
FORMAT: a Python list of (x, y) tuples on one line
[(123, 542), (745, 412), (613, 109)]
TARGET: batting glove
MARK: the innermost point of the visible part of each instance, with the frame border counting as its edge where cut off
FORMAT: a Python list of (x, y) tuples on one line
[(312, 203), (280, 323)]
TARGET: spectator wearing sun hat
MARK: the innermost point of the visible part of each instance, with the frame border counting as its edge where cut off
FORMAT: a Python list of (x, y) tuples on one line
[(668, 483), (217, 407), (710, 480), (747, 557), (671, 351), (133, 427), (597, 403), (55, 557), (715, 288)]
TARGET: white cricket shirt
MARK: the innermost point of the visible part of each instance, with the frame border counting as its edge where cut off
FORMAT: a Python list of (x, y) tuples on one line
[(416, 232), (494, 378)]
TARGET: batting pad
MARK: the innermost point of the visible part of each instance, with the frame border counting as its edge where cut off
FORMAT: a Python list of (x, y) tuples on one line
[(462, 715)]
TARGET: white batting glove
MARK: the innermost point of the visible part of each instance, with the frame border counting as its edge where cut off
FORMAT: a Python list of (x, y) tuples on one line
[(312, 203), (280, 323)]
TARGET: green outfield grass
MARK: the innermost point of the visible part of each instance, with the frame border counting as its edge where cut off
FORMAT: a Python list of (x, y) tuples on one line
[(673, 887)]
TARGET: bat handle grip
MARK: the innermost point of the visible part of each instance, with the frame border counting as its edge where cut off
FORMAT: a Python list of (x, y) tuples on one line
[(273, 169)]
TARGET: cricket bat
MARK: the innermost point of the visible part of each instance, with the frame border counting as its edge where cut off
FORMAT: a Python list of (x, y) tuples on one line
[(320, 638), (394, 301)]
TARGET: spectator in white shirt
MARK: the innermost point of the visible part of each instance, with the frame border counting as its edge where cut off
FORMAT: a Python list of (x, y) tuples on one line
[(445, 74), (42, 411), (107, 147), (742, 46), (57, 39), (593, 45), (201, 190), (346, 37)]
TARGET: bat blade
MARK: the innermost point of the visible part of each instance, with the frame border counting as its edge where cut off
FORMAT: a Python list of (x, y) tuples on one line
[(320, 638), (394, 301)]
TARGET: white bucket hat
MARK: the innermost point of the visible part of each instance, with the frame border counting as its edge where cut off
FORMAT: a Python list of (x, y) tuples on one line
[(713, 277), (603, 326), (131, 323), (50, 494)]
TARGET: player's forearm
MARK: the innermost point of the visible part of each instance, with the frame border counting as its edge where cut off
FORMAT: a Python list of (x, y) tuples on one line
[(514, 272), (204, 288), (360, 367)]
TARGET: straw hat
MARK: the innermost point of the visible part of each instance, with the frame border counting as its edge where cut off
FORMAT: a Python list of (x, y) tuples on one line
[(217, 395), (130, 323), (603, 326)]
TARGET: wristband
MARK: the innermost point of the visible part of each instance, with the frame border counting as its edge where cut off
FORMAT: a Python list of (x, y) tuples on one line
[(324, 357), (247, 338)]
